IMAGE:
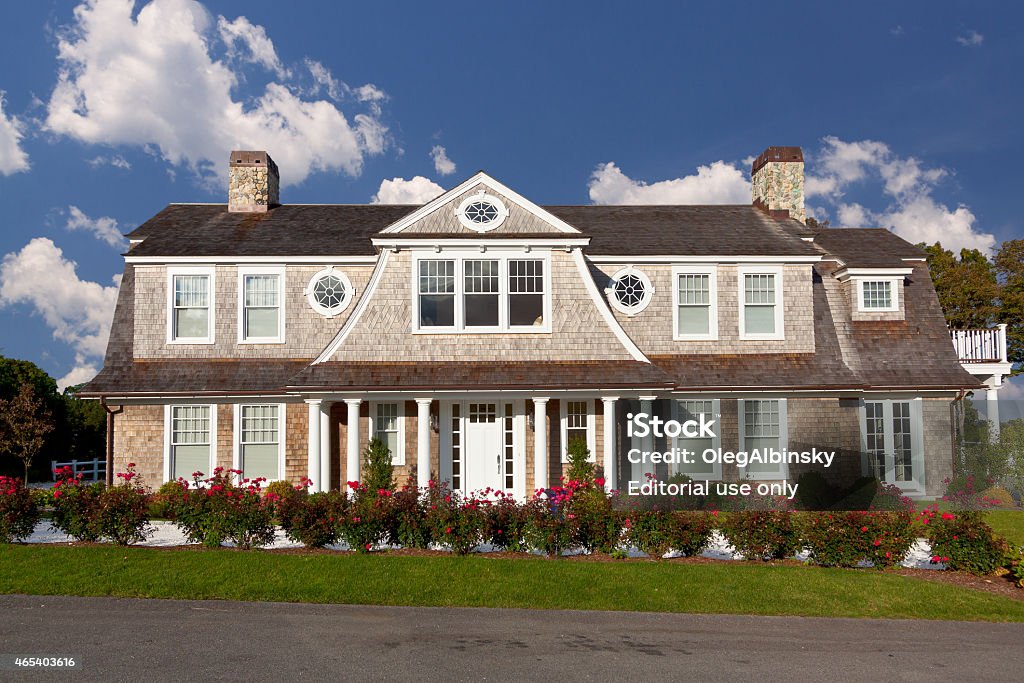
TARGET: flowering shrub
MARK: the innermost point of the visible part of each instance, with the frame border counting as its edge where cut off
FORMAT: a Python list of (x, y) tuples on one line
[(407, 523), (19, 510), (963, 541), (166, 499), (844, 539), (762, 534), (505, 523), (552, 526), (74, 505), (282, 488), (657, 532), (310, 519), (215, 510), (458, 522), (598, 525), (365, 522), (121, 513), (963, 492)]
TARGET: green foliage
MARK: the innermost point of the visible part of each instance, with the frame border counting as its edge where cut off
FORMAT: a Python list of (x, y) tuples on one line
[(598, 524), (311, 519), (408, 524), (814, 492), (457, 522), (505, 524), (378, 472), (365, 523), (121, 514), (844, 539), (580, 467), (19, 510), (280, 488), (215, 510), (762, 534), (657, 532), (963, 541), (25, 423), (75, 506), (163, 503)]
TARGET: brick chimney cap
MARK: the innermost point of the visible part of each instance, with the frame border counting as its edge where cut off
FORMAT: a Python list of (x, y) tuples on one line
[(255, 158), (777, 154)]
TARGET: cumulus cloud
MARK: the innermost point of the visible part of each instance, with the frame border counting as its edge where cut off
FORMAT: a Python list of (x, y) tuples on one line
[(115, 160), (82, 372), (442, 164), (907, 187), (104, 229), (970, 39), (165, 81), (12, 157), (418, 190), (716, 183), (78, 312)]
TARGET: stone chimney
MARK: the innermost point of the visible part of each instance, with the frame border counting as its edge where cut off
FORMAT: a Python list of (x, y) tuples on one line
[(253, 182), (778, 179)]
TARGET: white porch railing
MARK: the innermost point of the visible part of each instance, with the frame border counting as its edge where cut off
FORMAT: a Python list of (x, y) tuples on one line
[(94, 470), (980, 346)]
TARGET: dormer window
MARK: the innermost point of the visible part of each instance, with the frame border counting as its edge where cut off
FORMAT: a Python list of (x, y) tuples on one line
[(876, 295), (261, 305), (481, 212)]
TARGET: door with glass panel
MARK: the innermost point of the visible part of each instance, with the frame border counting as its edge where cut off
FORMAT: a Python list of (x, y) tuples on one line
[(483, 448), (890, 442)]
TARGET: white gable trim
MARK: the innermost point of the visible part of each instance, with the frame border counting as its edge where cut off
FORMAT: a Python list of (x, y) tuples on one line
[(364, 302), (606, 312), (481, 177)]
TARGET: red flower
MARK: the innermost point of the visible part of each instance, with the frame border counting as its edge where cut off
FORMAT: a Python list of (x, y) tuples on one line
[(948, 515), (863, 528), (878, 543)]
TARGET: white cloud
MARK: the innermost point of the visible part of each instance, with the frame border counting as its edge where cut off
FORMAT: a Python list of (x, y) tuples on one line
[(1013, 389), (971, 39), (258, 46), (418, 190), (716, 183), (325, 80), (12, 157), (82, 372), (442, 164), (155, 81), (78, 312), (907, 187), (104, 229), (115, 160)]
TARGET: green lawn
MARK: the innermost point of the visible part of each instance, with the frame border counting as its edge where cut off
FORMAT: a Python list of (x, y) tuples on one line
[(1007, 523), (480, 581)]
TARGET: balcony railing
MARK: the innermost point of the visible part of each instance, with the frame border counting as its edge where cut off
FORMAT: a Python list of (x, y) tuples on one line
[(980, 346)]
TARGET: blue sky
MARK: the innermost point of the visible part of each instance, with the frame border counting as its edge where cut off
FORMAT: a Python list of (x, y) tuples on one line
[(909, 115)]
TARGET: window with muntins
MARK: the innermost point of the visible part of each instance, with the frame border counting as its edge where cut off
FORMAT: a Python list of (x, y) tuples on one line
[(259, 449), (386, 428), (261, 317), (759, 303), (525, 292), (763, 424), (694, 302), (698, 469), (437, 293), (876, 295), (191, 301), (481, 292), (190, 441)]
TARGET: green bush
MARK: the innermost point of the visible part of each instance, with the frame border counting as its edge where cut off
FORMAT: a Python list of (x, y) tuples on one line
[(505, 524), (844, 539), (657, 532), (121, 514), (163, 503), (364, 525), (378, 471), (283, 488), (814, 492), (74, 506), (598, 524), (581, 470), (19, 510), (215, 510), (551, 529), (407, 524), (963, 541), (311, 519), (457, 522), (762, 534)]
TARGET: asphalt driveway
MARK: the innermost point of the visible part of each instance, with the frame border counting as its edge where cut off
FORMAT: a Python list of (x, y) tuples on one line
[(164, 640)]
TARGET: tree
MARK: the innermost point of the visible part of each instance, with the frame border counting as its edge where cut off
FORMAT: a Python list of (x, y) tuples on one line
[(1009, 264), (25, 423)]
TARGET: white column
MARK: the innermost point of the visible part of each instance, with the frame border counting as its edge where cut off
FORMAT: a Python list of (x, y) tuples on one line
[(992, 412), (611, 465), (352, 469), (314, 443), (423, 442), (325, 446), (540, 442)]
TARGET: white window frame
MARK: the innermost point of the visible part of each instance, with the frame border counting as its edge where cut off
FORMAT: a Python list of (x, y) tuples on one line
[(322, 310), (712, 273), (716, 440), (168, 433), (613, 300), (591, 427), (780, 321), (279, 271), (211, 273), (894, 293), (399, 457), (783, 437), (502, 257), (482, 196), (917, 458), (282, 421)]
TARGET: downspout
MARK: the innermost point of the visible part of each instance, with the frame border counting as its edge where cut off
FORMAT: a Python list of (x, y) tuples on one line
[(110, 437)]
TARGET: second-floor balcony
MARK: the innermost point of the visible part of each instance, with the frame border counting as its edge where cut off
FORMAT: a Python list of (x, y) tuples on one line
[(980, 346)]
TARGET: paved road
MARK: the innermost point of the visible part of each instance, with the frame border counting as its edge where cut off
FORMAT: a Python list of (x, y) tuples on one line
[(163, 640)]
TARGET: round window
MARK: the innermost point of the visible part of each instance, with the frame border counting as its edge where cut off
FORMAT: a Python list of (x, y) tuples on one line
[(630, 291), (481, 212), (329, 292)]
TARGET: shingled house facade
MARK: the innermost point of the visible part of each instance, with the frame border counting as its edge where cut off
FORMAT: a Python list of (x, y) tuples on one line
[(479, 333)]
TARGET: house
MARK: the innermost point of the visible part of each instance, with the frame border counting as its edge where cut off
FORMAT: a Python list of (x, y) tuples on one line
[(479, 333)]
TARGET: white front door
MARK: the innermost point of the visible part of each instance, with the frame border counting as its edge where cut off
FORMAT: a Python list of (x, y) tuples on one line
[(483, 447)]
